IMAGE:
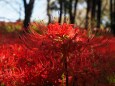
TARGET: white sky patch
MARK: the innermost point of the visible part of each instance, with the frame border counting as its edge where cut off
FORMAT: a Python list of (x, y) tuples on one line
[(82, 5), (13, 10)]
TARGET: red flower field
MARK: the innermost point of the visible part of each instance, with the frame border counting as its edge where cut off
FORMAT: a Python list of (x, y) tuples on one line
[(60, 56)]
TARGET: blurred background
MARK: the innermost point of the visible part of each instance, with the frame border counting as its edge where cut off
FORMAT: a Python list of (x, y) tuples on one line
[(94, 14)]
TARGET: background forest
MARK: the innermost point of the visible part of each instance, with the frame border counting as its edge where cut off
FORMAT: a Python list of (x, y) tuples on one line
[(95, 13)]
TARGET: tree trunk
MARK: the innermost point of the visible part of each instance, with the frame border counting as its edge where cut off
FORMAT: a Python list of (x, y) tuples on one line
[(75, 9), (48, 11), (28, 12), (93, 13), (113, 26), (70, 12), (99, 2), (61, 10), (93, 9), (88, 13), (112, 13), (65, 12)]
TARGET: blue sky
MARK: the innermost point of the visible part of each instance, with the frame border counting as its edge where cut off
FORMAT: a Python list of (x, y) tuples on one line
[(10, 10)]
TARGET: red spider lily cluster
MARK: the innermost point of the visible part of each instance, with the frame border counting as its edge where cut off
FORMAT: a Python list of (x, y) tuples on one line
[(63, 55)]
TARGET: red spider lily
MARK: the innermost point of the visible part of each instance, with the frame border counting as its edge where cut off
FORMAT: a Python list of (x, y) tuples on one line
[(42, 59)]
